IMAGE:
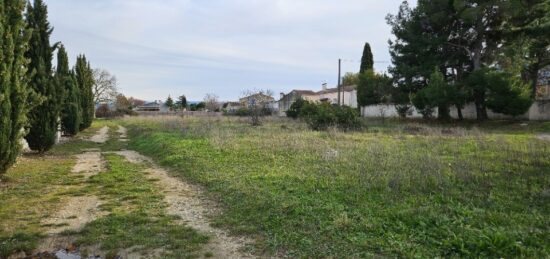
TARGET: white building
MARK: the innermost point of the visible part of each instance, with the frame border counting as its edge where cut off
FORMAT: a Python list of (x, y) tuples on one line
[(348, 96)]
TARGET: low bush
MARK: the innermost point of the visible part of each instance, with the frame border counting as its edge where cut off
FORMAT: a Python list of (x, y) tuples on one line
[(321, 116), (296, 108)]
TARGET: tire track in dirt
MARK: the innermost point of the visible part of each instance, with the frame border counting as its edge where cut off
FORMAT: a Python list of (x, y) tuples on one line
[(76, 212), (187, 202)]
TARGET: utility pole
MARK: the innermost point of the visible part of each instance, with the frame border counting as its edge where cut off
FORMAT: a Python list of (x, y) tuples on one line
[(339, 78)]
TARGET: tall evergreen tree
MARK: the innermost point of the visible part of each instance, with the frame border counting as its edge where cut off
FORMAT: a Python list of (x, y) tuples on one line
[(169, 103), (182, 102), (421, 44), (367, 62), (528, 31), (44, 118), (70, 113), (84, 80), (13, 80)]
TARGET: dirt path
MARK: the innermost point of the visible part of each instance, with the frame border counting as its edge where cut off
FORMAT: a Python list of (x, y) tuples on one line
[(544, 137), (102, 136), (89, 163), (122, 134), (184, 200), (75, 212), (187, 202)]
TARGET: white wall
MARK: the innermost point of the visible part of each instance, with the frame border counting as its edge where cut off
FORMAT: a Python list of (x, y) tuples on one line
[(383, 110), (540, 110)]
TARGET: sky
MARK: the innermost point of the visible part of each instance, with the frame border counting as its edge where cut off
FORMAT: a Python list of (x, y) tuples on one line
[(158, 48)]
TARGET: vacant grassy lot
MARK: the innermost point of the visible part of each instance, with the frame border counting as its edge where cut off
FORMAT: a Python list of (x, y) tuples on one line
[(394, 189)]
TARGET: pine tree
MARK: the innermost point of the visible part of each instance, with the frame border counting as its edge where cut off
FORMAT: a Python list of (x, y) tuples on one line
[(44, 118), (437, 94), (84, 81), (367, 62), (70, 113), (13, 80)]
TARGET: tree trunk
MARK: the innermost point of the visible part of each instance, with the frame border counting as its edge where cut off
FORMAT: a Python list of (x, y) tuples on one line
[(479, 95), (534, 77), (459, 112), (443, 113)]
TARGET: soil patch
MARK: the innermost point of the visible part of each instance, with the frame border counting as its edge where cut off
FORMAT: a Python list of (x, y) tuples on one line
[(122, 134), (89, 164), (101, 136), (75, 214)]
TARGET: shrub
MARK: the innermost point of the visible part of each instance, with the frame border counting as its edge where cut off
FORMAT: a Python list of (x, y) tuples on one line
[(324, 115), (242, 112), (296, 108), (403, 110), (423, 104)]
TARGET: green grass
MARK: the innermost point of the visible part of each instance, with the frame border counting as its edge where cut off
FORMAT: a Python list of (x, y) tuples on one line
[(397, 189)]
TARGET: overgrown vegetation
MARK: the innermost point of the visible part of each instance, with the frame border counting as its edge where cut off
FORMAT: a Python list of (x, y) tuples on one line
[(321, 116), (405, 190)]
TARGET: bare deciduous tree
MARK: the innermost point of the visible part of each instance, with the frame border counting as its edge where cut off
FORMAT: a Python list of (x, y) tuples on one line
[(211, 102), (105, 86), (258, 103)]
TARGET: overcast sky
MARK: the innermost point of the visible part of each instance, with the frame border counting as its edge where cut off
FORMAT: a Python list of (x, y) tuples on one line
[(194, 47)]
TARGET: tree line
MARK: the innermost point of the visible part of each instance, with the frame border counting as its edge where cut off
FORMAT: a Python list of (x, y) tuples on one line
[(36, 99), (448, 53)]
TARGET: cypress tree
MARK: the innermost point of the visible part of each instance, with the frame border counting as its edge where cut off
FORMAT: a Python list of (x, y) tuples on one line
[(169, 102), (70, 113), (44, 118), (84, 81), (13, 81), (367, 62)]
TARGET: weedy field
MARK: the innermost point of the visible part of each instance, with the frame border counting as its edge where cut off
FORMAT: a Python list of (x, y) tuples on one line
[(393, 189)]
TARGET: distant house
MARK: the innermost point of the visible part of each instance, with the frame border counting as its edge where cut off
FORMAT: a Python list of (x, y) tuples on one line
[(288, 99), (232, 107), (348, 96), (156, 106), (260, 99)]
